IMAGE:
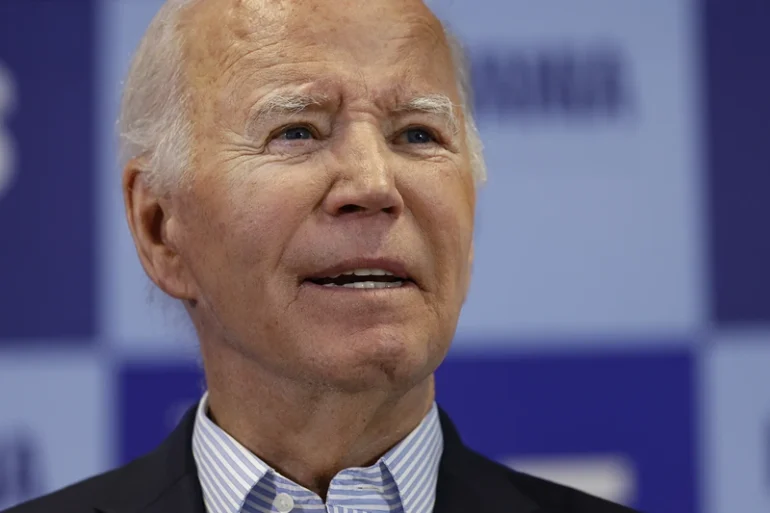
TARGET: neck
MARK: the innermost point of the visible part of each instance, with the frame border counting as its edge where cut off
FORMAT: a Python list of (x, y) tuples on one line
[(309, 433)]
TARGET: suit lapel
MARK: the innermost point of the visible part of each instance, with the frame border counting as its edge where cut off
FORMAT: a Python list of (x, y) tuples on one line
[(467, 482)]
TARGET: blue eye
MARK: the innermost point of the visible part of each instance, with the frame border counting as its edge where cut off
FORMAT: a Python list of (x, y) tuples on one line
[(296, 133), (419, 136)]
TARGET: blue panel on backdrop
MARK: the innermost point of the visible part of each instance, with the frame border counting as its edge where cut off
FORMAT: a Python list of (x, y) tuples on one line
[(637, 406), (46, 175), (152, 398), (738, 81)]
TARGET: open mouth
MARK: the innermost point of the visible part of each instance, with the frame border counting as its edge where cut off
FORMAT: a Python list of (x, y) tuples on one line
[(362, 279)]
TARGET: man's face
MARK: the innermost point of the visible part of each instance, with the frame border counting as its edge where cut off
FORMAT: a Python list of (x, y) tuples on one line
[(312, 160)]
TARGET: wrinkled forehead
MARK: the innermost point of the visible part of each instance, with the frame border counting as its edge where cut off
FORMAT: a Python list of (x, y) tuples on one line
[(241, 44)]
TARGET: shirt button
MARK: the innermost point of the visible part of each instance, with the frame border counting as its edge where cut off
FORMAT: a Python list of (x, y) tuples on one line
[(283, 503)]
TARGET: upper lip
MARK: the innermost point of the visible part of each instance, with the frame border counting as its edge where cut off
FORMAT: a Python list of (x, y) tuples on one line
[(393, 266)]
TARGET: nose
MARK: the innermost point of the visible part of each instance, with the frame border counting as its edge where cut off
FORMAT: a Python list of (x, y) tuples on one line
[(365, 182)]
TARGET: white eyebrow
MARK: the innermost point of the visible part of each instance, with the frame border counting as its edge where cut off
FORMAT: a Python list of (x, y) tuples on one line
[(288, 104), (435, 104), (281, 104)]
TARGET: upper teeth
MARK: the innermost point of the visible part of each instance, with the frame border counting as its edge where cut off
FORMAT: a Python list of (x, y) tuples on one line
[(365, 272)]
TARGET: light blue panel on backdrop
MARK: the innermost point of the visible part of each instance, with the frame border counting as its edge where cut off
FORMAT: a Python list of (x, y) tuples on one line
[(736, 422), (134, 315), (590, 224), (55, 424)]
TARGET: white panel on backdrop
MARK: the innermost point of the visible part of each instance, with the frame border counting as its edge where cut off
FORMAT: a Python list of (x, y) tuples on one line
[(590, 222), (54, 424), (736, 445), (133, 314), (609, 476)]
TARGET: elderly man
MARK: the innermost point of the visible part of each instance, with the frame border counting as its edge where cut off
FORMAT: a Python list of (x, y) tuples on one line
[(301, 175)]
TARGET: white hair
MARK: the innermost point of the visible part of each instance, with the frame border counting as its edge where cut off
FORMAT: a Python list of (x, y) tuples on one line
[(155, 125)]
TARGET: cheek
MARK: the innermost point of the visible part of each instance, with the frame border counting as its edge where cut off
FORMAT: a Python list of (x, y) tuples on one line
[(443, 207), (239, 231), (253, 205), (252, 212)]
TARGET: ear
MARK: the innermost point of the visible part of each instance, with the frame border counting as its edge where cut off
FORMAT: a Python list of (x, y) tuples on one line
[(155, 229)]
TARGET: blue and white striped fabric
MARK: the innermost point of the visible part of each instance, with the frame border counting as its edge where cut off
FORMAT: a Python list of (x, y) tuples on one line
[(234, 480)]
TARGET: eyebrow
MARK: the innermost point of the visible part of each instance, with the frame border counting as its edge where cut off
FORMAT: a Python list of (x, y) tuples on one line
[(434, 104), (288, 104)]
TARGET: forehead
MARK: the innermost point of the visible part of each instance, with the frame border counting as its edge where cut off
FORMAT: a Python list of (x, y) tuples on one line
[(378, 47)]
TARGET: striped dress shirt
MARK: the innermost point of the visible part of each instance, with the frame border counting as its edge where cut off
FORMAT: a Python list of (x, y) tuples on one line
[(234, 480)]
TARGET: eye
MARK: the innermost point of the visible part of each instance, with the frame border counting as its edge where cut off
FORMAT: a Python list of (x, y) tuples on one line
[(416, 135), (295, 133)]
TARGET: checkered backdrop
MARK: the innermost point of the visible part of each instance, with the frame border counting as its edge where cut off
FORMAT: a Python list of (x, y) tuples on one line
[(616, 337)]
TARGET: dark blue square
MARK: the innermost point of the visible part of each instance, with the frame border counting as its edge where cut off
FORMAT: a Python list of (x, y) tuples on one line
[(637, 405), (47, 266), (151, 399), (737, 83)]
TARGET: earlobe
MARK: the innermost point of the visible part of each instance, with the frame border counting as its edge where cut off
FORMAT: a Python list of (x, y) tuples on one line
[(150, 219)]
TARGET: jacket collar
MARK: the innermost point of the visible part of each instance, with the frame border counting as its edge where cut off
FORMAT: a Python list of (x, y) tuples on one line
[(166, 480)]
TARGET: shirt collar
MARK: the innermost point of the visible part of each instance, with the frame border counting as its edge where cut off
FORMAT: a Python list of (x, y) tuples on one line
[(231, 476)]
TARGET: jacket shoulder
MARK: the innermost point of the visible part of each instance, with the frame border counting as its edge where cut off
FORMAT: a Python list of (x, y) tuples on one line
[(130, 487), (549, 496), (84, 496), (474, 479), (563, 499), (76, 498)]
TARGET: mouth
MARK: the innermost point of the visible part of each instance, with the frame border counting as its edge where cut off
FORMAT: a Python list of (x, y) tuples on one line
[(384, 275)]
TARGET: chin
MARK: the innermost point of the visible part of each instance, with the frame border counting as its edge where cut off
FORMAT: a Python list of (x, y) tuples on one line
[(371, 360)]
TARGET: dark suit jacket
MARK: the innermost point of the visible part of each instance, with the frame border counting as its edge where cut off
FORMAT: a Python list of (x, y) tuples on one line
[(166, 481)]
